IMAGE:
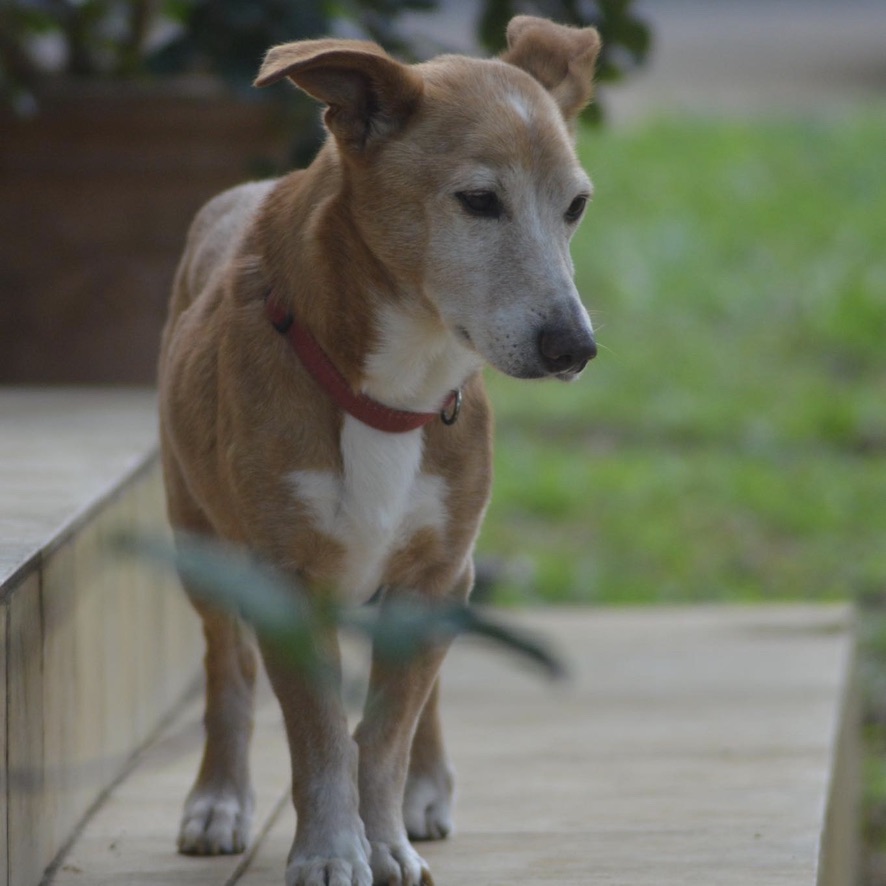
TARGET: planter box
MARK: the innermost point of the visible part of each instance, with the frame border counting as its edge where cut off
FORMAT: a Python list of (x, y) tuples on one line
[(96, 195)]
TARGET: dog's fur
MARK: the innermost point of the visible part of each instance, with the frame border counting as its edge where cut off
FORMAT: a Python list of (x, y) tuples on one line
[(429, 236)]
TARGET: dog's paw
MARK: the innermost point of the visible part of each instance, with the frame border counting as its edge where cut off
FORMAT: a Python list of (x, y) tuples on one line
[(338, 858), (398, 864), (328, 872), (345, 864), (215, 822), (427, 804)]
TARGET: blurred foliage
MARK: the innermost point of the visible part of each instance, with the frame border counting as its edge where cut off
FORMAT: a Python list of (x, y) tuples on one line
[(140, 38), (627, 38), (230, 37), (227, 38), (293, 620)]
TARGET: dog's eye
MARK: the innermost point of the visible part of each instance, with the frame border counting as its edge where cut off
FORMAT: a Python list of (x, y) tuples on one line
[(576, 208), (483, 204)]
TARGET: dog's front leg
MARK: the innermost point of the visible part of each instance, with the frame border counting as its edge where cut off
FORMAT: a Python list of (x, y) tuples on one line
[(330, 846), (398, 692)]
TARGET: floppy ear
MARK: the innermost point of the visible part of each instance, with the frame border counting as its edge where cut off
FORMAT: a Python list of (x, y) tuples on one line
[(369, 95), (561, 58)]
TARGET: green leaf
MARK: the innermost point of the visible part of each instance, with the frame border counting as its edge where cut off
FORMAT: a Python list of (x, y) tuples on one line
[(227, 577), (281, 611)]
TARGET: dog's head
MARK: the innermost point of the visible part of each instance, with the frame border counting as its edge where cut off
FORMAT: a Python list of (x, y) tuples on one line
[(463, 180)]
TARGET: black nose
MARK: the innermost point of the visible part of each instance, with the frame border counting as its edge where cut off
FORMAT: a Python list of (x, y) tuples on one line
[(566, 350)]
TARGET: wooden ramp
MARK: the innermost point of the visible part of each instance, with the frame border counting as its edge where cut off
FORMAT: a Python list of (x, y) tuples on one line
[(709, 745), (690, 746)]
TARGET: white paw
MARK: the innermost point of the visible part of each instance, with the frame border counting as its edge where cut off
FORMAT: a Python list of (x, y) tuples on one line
[(427, 804), (215, 822), (328, 872), (343, 862), (398, 864)]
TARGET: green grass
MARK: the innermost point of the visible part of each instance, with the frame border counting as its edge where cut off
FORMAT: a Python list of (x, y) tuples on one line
[(728, 443)]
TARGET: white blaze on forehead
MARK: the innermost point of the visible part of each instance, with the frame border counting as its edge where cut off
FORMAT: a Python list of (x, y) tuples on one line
[(375, 506), (521, 105)]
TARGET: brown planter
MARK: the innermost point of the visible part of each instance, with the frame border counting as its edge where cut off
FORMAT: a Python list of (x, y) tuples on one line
[(96, 195)]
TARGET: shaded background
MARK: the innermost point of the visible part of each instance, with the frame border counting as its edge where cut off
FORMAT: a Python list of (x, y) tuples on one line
[(98, 187), (121, 117)]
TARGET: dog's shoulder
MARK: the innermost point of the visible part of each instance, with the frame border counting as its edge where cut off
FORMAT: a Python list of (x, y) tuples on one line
[(218, 229)]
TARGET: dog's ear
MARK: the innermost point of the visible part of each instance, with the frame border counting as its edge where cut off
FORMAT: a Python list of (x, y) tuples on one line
[(368, 94), (561, 58)]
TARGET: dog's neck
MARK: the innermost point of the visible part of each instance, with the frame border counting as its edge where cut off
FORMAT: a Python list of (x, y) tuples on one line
[(385, 337), (316, 265), (416, 360)]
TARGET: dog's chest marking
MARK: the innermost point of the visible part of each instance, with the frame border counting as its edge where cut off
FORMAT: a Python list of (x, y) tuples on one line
[(416, 365), (375, 505), (381, 498)]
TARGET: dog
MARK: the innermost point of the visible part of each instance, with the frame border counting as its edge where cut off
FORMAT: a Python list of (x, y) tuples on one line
[(322, 403)]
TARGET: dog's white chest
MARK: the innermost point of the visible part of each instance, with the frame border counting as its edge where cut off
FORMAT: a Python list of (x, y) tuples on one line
[(374, 507)]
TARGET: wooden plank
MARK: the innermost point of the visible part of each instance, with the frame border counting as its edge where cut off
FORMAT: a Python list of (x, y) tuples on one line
[(145, 633), (69, 768), (183, 635), (122, 704), (111, 668), (131, 838), (162, 632), (28, 850), (99, 651), (690, 746), (840, 856), (4, 782), (134, 831), (155, 648), (62, 451)]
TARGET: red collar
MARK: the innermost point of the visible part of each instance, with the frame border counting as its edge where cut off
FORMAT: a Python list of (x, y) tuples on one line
[(323, 371)]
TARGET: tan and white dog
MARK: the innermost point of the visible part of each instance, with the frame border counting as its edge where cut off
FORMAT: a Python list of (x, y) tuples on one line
[(322, 401)]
